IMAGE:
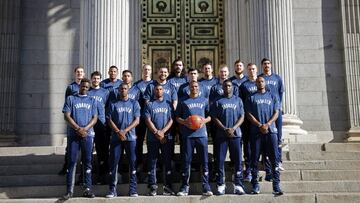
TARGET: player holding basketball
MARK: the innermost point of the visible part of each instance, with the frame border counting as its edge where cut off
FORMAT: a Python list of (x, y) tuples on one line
[(228, 115), (262, 109), (194, 105)]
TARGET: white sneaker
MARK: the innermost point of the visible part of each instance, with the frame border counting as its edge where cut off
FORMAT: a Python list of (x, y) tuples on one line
[(281, 168), (239, 190), (208, 193), (221, 189)]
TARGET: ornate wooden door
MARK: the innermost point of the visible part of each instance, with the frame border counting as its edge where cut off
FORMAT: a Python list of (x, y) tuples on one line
[(190, 29)]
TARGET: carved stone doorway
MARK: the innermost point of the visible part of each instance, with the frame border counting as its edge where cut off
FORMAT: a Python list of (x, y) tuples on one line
[(190, 29)]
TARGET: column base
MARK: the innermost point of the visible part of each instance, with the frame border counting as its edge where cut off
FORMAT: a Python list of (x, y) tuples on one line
[(292, 132), (353, 135), (8, 141)]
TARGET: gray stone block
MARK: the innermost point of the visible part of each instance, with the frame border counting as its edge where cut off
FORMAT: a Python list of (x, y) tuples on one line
[(33, 72), (55, 101), (307, 28), (34, 57), (308, 42), (30, 100), (36, 14), (336, 98), (75, 3), (64, 72), (26, 129), (321, 175), (54, 128), (338, 197), (62, 43), (307, 15), (310, 84), (314, 112), (311, 56), (309, 98), (298, 156), (307, 4), (34, 28), (305, 147), (34, 42), (342, 147)]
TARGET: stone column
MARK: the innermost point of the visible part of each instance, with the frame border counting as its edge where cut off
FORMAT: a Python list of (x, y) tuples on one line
[(351, 36), (266, 30), (9, 63), (104, 35)]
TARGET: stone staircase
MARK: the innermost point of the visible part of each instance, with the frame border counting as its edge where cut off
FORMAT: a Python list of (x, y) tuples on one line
[(314, 173)]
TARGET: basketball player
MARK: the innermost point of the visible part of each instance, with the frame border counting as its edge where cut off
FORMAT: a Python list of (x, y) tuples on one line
[(177, 76), (194, 105), (101, 140), (123, 117), (275, 85), (239, 76), (208, 80), (112, 82), (80, 112), (262, 109), (228, 115), (158, 116), (141, 128)]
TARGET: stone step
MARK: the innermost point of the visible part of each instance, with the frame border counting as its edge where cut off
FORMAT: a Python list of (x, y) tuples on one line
[(53, 168), (305, 147), (322, 165), (23, 151), (288, 197), (52, 179), (294, 198), (342, 147), (289, 175), (195, 189), (323, 155)]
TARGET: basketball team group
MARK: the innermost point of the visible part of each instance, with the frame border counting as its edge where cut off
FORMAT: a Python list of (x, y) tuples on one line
[(241, 114)]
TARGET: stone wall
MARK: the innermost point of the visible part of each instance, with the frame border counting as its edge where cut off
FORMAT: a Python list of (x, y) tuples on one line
[(49, 51), (320, 69)]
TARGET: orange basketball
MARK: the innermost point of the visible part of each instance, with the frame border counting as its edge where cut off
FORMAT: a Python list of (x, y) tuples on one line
[(195, 122)]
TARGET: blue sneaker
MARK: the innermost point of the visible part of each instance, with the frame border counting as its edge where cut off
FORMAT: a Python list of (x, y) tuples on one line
[(239, 190), (256, 189), (184, 191), (111, 194), (221, 189)]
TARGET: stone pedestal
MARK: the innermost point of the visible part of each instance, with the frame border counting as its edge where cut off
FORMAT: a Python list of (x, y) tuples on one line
[(350, 10), (104, 37)]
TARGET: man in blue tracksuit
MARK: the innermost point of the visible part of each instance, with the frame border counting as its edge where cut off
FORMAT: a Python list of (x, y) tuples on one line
[(228, 115), (123, 117), (262, 109), (194, 105), (80, 112), (275, 84), (158, 117), (101, 140), (72, 89)]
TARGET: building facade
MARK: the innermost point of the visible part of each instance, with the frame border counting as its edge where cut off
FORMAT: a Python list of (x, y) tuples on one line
[(314, 46)]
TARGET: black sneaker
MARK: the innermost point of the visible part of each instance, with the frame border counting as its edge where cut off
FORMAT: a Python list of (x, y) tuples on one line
[(278, 192), (168, 191), (153, 190), (87, 193), (68, 196)]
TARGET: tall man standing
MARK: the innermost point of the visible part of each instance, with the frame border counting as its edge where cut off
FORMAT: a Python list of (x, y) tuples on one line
[(80, 112), (101, 140), (177, 76), (123, 117), (209, 79), (194, 105), (262, 109), (112, 82), (72, 89), (275, 85), (141, 128)]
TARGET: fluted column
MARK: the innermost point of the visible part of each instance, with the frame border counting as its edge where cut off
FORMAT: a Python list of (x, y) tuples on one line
[(9, 63), (265, 29), (104, 34), (351, 37)]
